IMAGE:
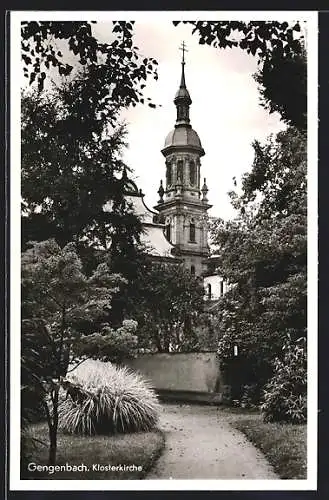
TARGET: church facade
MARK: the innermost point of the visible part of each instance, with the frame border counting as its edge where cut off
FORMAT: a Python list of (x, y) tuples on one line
[(177, 229)]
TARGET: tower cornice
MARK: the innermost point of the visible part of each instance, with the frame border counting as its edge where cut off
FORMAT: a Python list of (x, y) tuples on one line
[(184, 148), (181, 203)]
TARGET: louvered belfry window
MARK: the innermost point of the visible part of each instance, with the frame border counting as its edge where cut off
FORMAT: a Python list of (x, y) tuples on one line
[(192, 232), (192, 173)]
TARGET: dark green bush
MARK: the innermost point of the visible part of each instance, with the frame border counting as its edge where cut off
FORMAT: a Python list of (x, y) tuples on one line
[(285, 395), (250, 396)]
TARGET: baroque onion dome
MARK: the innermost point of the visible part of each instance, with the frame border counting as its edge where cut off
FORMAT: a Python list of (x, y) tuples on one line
[(183, 134)]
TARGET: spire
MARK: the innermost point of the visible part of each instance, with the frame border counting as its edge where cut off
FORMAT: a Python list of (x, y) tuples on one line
[(182, 98), (182, 81)]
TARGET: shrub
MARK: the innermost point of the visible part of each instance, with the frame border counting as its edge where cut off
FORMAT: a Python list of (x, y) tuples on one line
[(109, 343), (285, 395), (250, 396), (102, 398)]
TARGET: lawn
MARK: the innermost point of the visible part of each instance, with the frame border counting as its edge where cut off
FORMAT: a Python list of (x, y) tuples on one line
[(284, 445), (96, 452)]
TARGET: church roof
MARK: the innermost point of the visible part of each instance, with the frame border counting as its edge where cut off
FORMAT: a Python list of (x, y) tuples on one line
[(155, 241), (140, 209), (183, 136), (152, 235)]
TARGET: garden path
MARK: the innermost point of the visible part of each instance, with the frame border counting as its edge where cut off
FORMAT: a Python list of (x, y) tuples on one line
[(201, 444)]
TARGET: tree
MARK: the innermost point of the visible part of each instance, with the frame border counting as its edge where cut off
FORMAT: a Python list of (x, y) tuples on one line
[(279, 47), (165, 299), (283, 87), (56, 297), (71, 139), (71, 166), (117, 70), (263, 256)]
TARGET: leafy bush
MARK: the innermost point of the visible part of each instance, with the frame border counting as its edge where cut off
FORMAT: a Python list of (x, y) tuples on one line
[(102, 398), (109, 343), (250, 396), (285, 395)]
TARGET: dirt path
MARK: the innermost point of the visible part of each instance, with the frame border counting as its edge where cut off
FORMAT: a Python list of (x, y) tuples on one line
[(201, 444)]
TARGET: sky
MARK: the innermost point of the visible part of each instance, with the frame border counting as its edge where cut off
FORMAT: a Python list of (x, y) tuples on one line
[(225, 110)]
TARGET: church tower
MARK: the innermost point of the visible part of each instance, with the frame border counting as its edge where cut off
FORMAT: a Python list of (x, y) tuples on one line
[(183, 203)]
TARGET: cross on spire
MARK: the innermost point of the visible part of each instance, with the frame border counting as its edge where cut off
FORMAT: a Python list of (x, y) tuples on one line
[(183, 49)]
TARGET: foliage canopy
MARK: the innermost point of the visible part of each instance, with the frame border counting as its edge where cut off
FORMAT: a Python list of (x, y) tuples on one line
[(264, 257)]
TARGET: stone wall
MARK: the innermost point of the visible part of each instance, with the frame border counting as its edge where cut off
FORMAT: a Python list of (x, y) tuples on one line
[(191, 372)]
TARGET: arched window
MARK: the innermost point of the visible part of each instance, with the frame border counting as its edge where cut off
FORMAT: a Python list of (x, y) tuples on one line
[(168, 232), (180, 171), (192, 172), (169, 174), (192, 270), (192, 232), (209, 291)]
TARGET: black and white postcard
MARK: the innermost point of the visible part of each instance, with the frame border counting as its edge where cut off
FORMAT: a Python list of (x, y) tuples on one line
[(163, 170)]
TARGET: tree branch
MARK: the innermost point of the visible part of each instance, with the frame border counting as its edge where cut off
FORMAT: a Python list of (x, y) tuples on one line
[(80, 363)]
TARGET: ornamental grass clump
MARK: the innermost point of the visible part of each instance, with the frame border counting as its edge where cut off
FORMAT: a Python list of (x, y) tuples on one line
[(101, 398)]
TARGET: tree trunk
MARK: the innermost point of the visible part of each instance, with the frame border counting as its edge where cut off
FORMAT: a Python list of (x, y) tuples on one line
[(53, 428), (53, 446)]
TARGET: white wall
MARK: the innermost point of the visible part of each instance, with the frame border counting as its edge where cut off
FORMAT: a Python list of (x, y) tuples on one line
[(215, 282), (180, 371)]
